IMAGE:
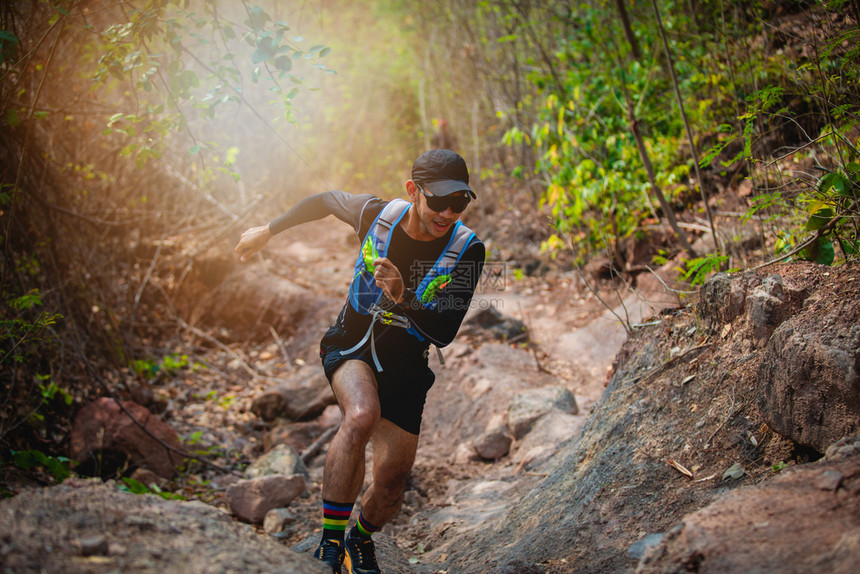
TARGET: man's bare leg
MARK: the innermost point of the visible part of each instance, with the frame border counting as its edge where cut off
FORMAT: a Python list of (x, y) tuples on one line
[(393, 456), (354, 387)]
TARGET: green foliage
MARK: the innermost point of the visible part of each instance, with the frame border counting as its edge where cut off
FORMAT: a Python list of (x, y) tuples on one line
[(57, 466), (22, 329), (224, 402), (830, 212), (51, 390), (598, 189), (169, 365), (699, 268), (133, 486)]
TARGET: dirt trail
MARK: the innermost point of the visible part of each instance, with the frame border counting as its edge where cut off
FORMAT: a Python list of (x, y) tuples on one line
[(572, 340)]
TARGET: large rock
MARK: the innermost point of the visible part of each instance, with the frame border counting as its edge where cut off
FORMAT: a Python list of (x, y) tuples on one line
[(500, 326), (282, 459), (528, 407), (250, 500), (763, 302), (802, 520), (104, 437), (303, 397), (678, 398), (809, 388), (54, 529), (721, 299)]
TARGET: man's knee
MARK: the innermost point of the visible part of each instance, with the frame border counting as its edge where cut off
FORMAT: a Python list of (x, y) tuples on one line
[(361, 419), (355, 388)]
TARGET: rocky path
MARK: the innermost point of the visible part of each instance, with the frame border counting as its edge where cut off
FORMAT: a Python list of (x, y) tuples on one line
[(596, 462)]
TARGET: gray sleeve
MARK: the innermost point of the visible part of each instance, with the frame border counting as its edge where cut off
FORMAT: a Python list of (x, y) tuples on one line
[(345, 206)]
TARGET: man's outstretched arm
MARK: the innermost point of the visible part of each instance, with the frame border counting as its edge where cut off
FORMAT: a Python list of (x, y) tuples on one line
[(345, 206)]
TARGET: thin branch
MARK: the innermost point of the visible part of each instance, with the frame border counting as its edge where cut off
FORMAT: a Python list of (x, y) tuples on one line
[(317, 445), (594, 292), (803, 245), (660, 279), (686, 123)]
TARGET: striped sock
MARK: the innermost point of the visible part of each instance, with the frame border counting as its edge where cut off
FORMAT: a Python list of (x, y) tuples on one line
[(363, 528), (335, 517)]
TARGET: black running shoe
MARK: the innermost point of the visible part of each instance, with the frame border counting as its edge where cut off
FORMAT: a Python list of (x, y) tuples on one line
[(360, 556), (331, 552)]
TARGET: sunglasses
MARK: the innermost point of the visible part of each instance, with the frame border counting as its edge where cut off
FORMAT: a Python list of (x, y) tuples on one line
[(457, 203)]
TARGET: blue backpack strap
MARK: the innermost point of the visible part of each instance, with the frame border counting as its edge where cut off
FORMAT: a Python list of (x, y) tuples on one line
[(460, 239), (363, 291), (386, 221)]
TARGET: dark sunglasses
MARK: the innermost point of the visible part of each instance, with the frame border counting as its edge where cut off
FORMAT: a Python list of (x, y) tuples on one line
[(457, 203)]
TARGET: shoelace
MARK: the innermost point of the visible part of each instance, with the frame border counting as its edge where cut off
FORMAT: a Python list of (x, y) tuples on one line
[(330, 554), (367, 558)]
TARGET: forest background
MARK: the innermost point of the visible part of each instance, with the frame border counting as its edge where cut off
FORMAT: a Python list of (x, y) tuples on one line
[(139, 135)]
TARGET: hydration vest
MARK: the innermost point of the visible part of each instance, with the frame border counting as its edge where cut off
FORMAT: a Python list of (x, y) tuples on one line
[(365, 296)]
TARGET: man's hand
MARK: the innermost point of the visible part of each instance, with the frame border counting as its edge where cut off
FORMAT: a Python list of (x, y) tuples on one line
[(252, 241), (388, 278)]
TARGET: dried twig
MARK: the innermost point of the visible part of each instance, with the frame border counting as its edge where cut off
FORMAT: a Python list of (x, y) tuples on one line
[(317, 445), (282, 347)]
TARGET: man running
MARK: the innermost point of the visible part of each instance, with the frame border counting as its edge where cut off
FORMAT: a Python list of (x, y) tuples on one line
[(415, 275)]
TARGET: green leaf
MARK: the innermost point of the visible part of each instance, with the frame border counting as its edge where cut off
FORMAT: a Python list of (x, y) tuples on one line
[(258, 17), (194, 149), (12, 117), (232, 154), (820, 218), (835, 181), (284, 63), (8, 36), (822, 252)]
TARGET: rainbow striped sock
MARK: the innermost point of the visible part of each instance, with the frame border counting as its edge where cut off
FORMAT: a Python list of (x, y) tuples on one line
[(364, 528), (335, 517)]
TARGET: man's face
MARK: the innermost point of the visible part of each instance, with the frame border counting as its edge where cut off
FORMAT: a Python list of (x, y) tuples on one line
[(438, 223)]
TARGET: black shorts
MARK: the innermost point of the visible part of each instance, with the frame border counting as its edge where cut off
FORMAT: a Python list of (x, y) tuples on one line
[(402, 385)]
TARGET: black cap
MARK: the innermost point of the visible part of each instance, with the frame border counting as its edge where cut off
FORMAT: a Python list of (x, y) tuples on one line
[(442, 172)]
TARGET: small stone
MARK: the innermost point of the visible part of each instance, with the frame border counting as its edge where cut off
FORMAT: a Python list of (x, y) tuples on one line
[(493, 444), (276, 519), (463, 454), (250, 500), (282, 459), (526, 408), (637, 549)]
